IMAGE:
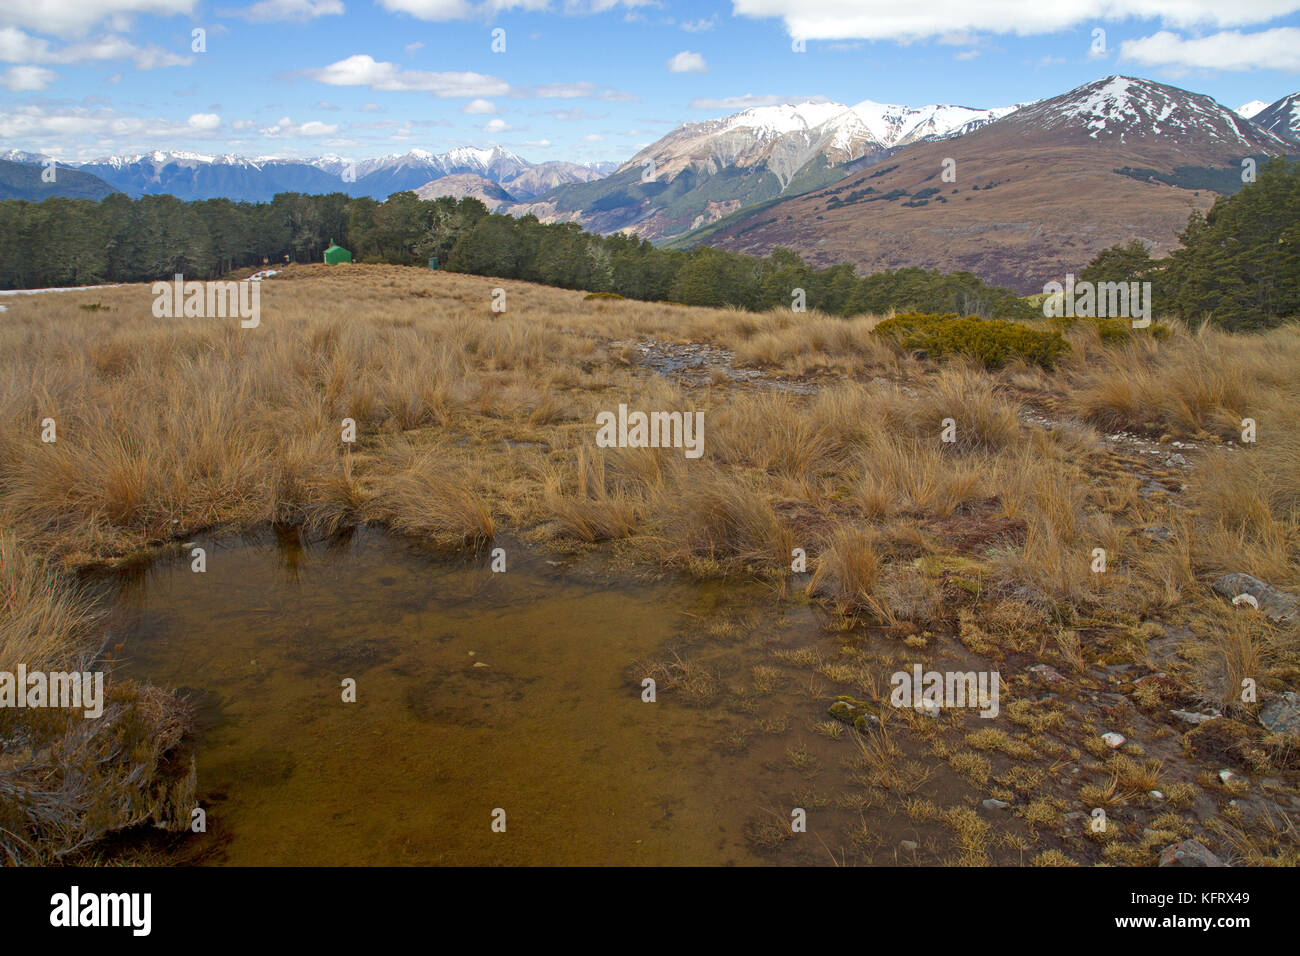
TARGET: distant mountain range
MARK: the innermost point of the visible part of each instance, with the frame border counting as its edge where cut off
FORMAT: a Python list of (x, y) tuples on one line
[(191, 176), (1038, 188)]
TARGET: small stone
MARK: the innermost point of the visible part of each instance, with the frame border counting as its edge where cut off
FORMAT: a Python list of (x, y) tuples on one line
[(1114, 740), (909, 845), (479, 664), (1191, 717), (991, 804), (1047, 672), (1188, 853), (1227, 776), (1158, 532), (1155, 795)]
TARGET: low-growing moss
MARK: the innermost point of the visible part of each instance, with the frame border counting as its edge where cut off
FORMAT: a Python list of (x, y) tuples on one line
[(993, 342)]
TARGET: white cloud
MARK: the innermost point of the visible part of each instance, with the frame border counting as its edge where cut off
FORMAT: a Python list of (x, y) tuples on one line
[(363, 70), (1276, 49), (479, 108), (700, 25), (593, 138), (413, 47), (739, 102), (204, 121), (269, 11), (21, 79), (98, 129), (19, 47), (538, 144), (891, 20), (687, 62), (286, 128), (76, 17), (497, 125), (327, 106)]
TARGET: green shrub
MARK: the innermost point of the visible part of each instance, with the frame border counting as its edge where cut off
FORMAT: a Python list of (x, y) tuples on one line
[(600, 295), (993, 342), (1112, 331)]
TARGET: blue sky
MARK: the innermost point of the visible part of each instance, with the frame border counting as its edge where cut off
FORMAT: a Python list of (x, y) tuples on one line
[(581, 80)]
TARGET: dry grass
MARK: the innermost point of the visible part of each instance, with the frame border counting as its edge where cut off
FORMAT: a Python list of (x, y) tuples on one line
[(471, 424)]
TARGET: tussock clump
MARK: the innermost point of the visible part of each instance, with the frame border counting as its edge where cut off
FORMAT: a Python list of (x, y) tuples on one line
[(720, 523), (848, 571), (428, 498), (590, 505), (992, 342)]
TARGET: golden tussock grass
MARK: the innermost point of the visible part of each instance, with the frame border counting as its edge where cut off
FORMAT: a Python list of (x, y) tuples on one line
[(471, 423)]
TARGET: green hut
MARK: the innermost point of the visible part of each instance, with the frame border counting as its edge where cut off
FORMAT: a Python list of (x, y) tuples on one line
[(336, 254)]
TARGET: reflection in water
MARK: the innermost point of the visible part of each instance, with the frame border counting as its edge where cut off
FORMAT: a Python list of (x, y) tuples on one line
[(474, 691)]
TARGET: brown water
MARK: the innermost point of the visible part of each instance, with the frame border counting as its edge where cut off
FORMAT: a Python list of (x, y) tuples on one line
[(475, 691)]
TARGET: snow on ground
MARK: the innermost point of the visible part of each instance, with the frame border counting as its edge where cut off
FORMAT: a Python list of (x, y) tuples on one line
[(75, 288)]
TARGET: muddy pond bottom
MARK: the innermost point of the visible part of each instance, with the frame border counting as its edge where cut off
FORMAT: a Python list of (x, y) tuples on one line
[(479, 695)]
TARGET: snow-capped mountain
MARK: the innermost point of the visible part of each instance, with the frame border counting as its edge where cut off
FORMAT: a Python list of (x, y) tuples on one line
[(1127, 109), (713, 168), (1281, 118), (1248, 110), (787, 136)]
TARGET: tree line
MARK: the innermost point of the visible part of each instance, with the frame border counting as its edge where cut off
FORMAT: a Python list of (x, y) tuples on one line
[(66, 242)]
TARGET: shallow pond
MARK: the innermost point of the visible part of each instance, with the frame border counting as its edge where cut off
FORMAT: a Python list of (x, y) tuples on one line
[(475, 691)]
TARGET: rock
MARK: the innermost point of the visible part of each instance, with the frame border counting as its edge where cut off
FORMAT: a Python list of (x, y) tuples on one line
[(909, 845), (479, 664), (991, 804), (1188, 853), (1191, 717), (1158, 532), (1114, 740), (1278, 605), (1227, 776), (1047, 672), (1155, 795), (850, 710), (1281, 714)]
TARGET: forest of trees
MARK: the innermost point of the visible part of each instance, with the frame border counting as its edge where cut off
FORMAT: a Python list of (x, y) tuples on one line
[(1238, 268), (1239, 265), (64, 242)]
